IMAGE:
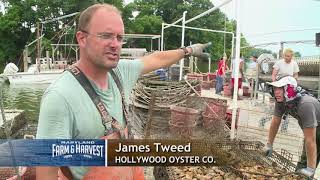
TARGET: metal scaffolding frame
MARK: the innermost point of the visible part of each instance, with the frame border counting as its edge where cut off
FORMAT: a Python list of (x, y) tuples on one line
[(146, 36), (237, 57), (74, 47), (183, 26), (208, 30)]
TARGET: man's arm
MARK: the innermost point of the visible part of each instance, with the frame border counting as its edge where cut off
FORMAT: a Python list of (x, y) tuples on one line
[(162, 59), (274, 74), (48, 173), (279, 110), (241, 69), (295, 75), (274, 126), (275, 71), (54, 123), (166, 58), (296, 70)]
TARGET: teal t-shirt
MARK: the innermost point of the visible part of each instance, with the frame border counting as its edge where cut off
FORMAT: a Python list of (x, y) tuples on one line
[(67, 112)]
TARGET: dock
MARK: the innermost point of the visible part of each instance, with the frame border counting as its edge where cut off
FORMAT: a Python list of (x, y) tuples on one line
[(15, 121)]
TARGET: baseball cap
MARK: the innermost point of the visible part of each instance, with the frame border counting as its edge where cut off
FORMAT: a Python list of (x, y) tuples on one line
[(284, 81)]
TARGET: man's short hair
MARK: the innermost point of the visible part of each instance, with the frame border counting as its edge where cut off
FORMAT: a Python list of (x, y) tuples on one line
[(86, 15), (288, 51), (255, 56)]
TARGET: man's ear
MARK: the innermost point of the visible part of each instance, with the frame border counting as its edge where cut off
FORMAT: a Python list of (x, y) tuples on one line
[(81, 38)]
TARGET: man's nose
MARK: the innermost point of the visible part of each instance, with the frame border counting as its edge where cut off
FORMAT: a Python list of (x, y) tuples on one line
[(115, 42)]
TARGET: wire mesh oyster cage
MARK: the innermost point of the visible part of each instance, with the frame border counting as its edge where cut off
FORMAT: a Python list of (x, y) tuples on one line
[(249, 163), (165, 93)]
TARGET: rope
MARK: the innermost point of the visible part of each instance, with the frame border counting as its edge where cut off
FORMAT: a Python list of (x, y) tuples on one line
[(65, 32), (225, 27), (62, 30), (74, 33), (197, 69)]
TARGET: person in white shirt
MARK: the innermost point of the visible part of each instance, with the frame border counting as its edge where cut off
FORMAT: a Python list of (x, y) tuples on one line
[(253, 64), (286, 66), (240, 75), (251, 72)]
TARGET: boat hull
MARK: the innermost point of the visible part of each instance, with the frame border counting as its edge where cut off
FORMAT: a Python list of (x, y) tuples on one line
[(34, 78)]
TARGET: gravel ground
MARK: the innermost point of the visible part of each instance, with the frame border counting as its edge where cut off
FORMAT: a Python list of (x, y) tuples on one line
[(148, 173)]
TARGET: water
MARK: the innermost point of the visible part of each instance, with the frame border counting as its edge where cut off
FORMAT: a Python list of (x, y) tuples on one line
[(24, 97)]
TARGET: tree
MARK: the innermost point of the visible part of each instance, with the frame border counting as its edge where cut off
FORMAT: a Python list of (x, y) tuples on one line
[(20, 19), (169, 11), (18, 23), (13, 34), (297, 54), (256, 52)]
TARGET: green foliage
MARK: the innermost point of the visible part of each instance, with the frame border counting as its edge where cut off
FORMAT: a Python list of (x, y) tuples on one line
[(144, 25), (255, 52), (297, 54), (170, 11), (12, 33)]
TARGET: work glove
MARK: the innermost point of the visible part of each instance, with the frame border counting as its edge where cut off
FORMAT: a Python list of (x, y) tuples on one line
[(268, 149), (198, 50), (309, 172)]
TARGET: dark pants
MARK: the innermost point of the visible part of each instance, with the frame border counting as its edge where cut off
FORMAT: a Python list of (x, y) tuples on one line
[(219, 84), (303, 159)]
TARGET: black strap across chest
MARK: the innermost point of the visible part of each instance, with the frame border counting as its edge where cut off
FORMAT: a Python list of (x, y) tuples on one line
[(110, 124)]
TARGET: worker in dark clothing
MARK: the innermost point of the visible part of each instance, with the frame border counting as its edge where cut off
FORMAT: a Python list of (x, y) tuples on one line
[(292, 99)]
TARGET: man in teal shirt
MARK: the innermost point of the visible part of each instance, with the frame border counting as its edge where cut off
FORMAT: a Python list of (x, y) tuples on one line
[(66, 111)]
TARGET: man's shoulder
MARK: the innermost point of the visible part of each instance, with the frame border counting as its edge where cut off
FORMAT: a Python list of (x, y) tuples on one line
[(307, 103), (280, 61), (65, 85), (128, 67), (278, 64), (309, 99), (294, 62), (125, 62)]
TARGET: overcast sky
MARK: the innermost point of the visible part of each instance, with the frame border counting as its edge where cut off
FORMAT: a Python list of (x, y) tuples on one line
[(267, 16)]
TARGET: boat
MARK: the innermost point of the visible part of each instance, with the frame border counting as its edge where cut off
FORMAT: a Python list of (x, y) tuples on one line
[(44, 77), (42, 74)]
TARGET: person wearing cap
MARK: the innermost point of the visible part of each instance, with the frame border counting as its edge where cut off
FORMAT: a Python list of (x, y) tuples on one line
[(292, 99)]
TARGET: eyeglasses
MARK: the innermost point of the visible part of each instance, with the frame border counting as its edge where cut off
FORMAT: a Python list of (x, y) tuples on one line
[(107, 36)]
